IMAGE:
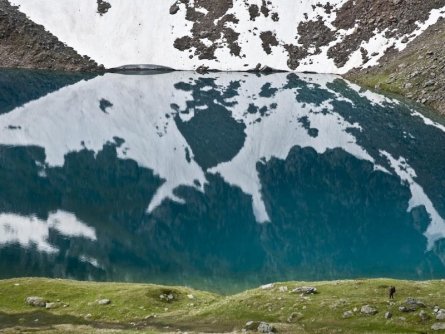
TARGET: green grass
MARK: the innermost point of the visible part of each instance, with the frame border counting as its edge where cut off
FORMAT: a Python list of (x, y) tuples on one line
[(137, 308)]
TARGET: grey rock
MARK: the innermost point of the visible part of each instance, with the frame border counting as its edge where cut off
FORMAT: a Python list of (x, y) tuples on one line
[(348, 314), (167, 297), (368, 310), (104, 302), (251, 325), (440, 315), (305, 290), (429, 83), (266, 328), (411, 305), (388, 315), (50, 306), (35, 301), (438, 326), (174, 9)]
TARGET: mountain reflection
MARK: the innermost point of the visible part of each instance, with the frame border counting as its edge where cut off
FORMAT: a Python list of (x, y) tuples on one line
[(222, 181)]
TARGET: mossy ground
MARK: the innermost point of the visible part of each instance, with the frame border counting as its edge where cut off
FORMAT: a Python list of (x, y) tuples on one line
[(137, 308)]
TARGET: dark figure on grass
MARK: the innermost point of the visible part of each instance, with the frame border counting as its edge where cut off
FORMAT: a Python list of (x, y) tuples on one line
[(392, 291)]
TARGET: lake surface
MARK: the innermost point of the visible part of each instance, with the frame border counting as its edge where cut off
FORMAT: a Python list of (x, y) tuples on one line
[(223, 181)]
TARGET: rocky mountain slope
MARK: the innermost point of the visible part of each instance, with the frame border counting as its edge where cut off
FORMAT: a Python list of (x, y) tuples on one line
[(26, 44), (325, 36), (394, 44), (418, 72)]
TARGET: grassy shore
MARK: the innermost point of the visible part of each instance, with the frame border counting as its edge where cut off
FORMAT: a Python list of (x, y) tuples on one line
[(139, 308)]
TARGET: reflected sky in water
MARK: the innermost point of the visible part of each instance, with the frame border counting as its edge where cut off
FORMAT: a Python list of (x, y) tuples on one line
[(223, 181)]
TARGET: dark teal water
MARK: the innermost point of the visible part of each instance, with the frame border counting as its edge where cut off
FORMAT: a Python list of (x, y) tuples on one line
[(224, 181)]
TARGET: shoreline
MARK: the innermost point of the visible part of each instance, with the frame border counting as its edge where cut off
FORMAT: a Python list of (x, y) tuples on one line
[(346, 306)]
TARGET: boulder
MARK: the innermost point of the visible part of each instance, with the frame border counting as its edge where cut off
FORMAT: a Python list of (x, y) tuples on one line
[(411, 305), (35, 301), (438, 326), (440, 315), (266, 328), (305, 290), (251, 325), (368, 310), (50, 306), (388, 315)]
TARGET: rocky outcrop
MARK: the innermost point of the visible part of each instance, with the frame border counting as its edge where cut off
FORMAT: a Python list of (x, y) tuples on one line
[(25, 44), (418, 72)]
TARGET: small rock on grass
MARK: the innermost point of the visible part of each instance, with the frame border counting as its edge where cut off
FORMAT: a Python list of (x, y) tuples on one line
[(251, 325), (265, 328), (438, 326), (388, 315), (104, 302), (51, 306), (440, 314), (348, 314), (35, 301), (368, 310), (305, 290)]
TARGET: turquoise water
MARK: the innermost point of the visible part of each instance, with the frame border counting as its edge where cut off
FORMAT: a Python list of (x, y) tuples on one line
[(224, 181)]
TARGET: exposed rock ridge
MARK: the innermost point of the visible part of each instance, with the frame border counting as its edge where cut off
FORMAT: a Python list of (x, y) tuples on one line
[(26, 44)]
